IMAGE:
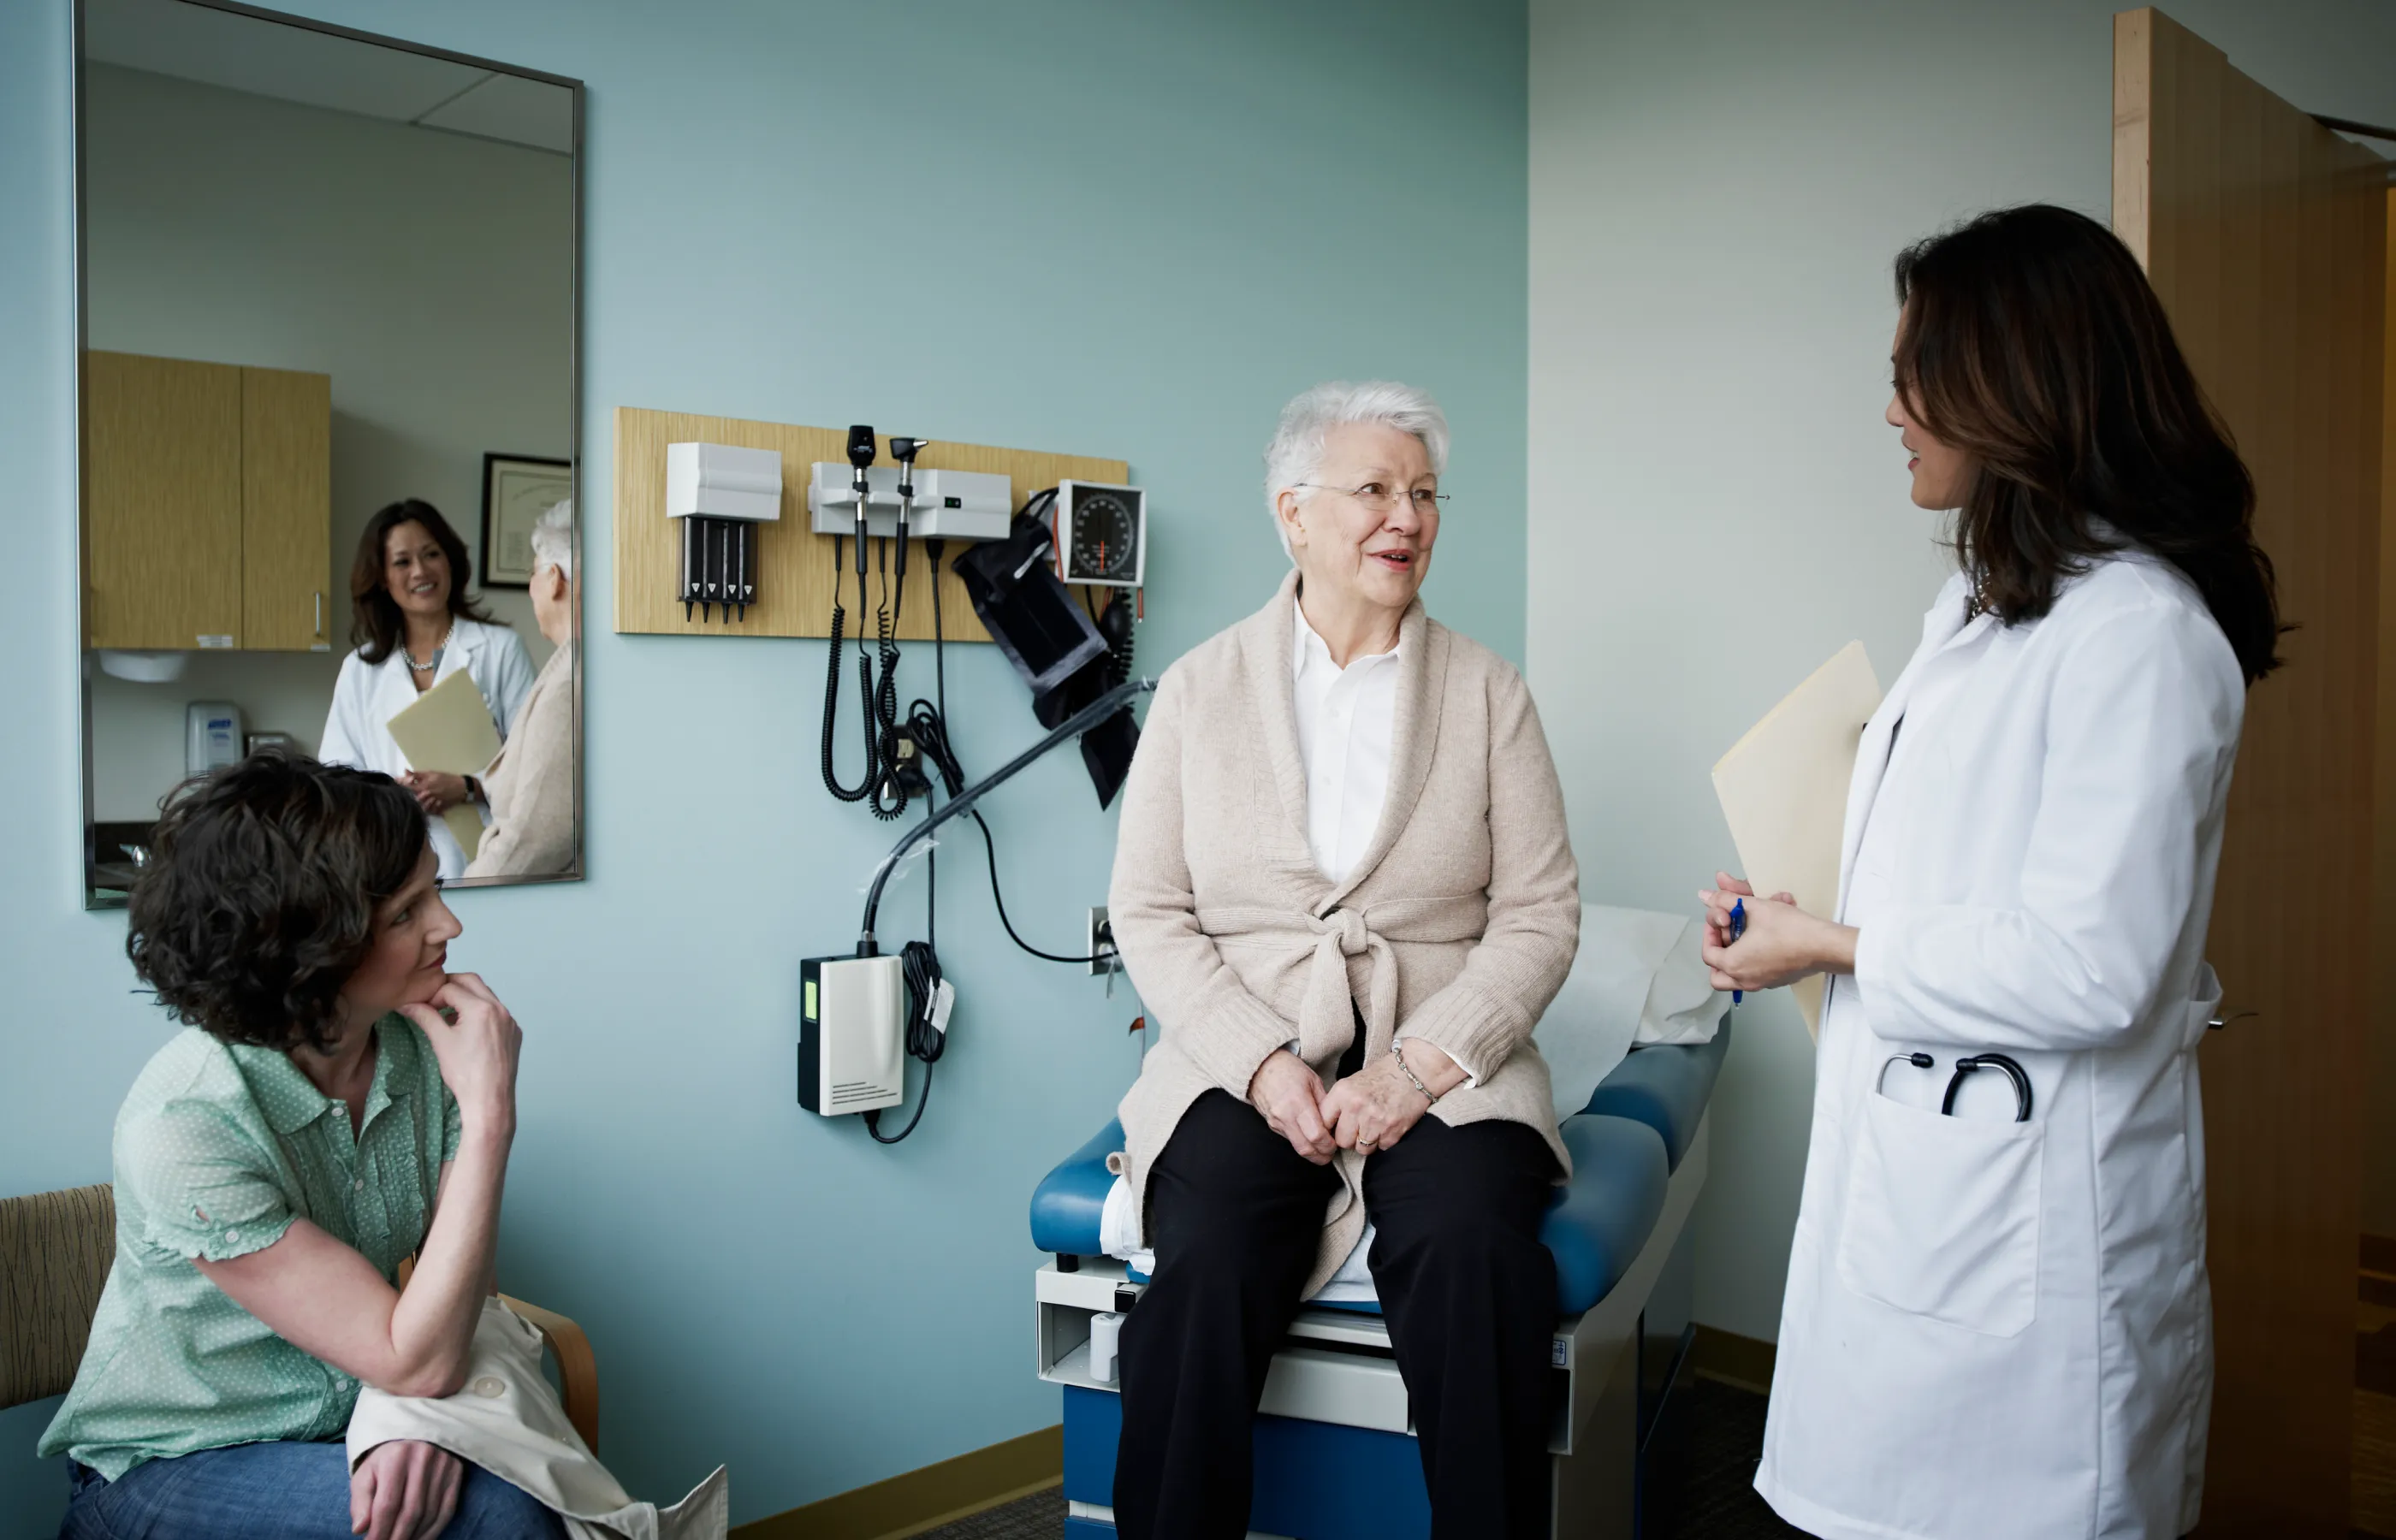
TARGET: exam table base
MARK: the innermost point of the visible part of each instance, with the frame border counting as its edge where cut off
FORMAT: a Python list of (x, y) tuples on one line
[(1336, 1457)]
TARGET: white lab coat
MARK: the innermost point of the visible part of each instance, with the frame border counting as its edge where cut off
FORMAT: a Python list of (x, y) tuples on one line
[(368, 695), (1995, 1328)]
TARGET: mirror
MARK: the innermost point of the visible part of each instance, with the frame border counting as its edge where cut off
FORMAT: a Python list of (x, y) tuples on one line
[(329, 425)]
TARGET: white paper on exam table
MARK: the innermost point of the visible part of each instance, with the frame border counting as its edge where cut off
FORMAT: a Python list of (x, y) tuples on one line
[(1637, 977), (1784, 792)]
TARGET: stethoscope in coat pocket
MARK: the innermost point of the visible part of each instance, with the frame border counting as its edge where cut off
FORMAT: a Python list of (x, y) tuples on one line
[(1965, 1069)]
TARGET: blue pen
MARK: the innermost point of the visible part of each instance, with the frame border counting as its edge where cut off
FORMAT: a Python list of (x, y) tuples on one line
[(1737, 929)]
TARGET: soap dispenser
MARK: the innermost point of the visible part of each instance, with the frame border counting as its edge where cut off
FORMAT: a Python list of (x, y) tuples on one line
[(212, 735)]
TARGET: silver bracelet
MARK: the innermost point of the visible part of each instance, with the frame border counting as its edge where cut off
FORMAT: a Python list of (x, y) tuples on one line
[(1408, 1071)]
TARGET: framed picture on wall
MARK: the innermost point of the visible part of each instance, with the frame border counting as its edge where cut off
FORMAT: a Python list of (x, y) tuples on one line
[(517, 489)]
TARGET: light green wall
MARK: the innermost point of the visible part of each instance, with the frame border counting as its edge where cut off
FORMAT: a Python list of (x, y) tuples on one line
[(1716, 505), (1129, 231)]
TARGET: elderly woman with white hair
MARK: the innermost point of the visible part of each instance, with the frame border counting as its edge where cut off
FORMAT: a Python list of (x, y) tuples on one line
[(530, 785), (1344, 888)]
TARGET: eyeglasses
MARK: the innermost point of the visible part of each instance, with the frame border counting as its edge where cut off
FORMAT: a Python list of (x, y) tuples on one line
[(1381, 498)]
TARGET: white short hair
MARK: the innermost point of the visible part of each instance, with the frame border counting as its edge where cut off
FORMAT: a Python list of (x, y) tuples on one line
[(1295, 452), (552, 539)]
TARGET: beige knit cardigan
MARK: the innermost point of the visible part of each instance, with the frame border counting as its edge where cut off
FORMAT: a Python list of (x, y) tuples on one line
[(531, 783), (1458, 924)]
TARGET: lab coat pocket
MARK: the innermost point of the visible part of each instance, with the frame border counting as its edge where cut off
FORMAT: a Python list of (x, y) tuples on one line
[(2203, 1006), (1942, 1216)]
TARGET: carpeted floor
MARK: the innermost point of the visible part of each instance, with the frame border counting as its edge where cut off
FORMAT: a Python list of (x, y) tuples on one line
[(1038, 1517), (1699, 1488), (1701, 1475)]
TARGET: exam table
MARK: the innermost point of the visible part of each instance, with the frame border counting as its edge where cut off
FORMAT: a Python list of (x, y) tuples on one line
[(1335, 1451)]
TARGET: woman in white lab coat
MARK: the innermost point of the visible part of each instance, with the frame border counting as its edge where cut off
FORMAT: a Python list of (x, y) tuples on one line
[(413, 627), (1997, 1321)]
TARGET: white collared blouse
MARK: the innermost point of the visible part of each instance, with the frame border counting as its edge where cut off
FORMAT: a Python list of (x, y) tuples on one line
[(1346, 718), (368, 695)]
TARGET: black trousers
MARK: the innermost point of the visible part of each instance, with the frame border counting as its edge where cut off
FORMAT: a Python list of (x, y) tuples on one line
[(1467, 1291)]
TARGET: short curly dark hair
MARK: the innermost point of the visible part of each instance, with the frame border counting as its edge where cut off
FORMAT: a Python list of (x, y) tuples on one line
[(260, 899)]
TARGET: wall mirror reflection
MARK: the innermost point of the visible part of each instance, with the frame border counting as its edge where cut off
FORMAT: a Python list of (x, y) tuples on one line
[(328, 436)]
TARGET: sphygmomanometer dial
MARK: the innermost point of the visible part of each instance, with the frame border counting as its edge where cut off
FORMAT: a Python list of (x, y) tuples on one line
[(1104, 528)]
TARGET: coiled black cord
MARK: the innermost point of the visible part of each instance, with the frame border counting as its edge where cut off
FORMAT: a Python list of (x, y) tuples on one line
[(926, 1040), (889, 788), (832, 690)]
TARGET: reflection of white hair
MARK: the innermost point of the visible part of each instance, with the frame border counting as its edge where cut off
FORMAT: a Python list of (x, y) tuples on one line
[(1295, 452), (552, 539)]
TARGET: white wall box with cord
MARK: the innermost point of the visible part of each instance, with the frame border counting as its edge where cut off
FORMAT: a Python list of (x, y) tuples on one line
[(852, 1030)]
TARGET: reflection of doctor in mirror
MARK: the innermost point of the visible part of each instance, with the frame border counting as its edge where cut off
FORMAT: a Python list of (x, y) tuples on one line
[(414, 626), (530, 787)]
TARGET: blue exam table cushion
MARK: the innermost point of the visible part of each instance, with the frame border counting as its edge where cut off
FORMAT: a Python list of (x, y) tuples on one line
[(1596, 1223), (1070, 1202), (1594, 1226), (1667, 1088)]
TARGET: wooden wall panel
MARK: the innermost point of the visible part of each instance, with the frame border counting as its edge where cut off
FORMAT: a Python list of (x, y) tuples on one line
[(2247, 215), (795, 577)]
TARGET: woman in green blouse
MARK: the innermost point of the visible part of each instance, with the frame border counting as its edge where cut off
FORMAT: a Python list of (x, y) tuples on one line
[(338, 1102)]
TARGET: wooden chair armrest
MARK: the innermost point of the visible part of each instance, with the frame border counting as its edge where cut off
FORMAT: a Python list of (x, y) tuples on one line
[(577, 1371)]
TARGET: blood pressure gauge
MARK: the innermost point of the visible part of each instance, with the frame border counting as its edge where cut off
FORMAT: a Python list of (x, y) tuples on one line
[(1101, 534)]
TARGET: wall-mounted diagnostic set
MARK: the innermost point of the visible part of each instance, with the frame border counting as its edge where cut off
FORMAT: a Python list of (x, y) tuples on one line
[(864, 1013)]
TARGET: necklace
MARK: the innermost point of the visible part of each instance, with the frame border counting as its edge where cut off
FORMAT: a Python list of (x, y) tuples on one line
[(1977, 604), (438, 648)]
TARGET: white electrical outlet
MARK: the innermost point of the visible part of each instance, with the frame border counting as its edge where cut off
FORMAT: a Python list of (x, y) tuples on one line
[(1098, 943)]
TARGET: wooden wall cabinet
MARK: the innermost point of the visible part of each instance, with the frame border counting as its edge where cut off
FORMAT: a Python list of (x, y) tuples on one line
[(207, 504)]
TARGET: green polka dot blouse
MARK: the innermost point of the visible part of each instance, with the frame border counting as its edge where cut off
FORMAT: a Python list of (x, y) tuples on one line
[(217, 1149)]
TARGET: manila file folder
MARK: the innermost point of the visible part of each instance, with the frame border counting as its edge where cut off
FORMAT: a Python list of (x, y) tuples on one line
[(1784, 792), (448, 727)]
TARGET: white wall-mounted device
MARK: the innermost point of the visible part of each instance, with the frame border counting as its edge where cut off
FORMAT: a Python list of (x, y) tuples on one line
[(852, 1030), (212, 735), (722, 493), (722, 481), (1101, 534), (950, 505)]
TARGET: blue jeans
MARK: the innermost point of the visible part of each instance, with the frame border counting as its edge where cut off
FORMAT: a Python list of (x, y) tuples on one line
[(271, 1491)]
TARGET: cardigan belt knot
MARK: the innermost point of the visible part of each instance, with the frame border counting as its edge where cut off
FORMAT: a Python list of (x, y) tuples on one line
[(1326, 1020)]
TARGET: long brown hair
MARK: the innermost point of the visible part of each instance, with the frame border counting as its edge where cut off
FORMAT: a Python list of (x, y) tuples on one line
[(2033, 342), (376, 626)]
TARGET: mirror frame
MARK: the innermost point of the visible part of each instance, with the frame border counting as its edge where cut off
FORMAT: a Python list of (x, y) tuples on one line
[(105, 898)]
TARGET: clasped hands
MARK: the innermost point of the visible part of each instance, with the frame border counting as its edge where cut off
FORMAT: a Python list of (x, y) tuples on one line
[(1782, 943), (1368, 1111), (435, 791)]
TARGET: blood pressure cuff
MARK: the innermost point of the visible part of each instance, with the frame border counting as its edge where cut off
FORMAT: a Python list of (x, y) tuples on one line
[(1106, 749), (1026, 611)]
